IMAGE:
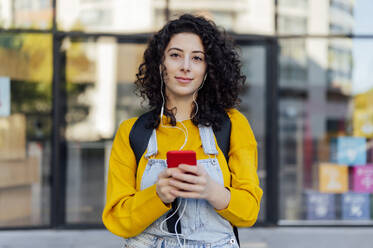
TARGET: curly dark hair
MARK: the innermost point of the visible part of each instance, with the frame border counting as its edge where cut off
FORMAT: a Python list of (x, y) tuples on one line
[(224, 77)]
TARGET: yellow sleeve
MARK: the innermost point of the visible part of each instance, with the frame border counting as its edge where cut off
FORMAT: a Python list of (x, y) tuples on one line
[(127, 211), (244, 205)]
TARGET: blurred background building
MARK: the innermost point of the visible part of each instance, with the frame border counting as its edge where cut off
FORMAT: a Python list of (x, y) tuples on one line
[(66, 83)]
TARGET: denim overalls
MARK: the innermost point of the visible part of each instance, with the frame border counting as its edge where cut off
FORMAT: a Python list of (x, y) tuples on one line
[(201, 226)]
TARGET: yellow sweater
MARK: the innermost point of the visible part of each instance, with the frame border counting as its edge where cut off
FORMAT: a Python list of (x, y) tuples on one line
[(129, 210)]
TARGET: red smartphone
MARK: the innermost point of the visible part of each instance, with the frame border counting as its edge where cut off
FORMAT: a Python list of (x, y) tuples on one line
[(174, 158)]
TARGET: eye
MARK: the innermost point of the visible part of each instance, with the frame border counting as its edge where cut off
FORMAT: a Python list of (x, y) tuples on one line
[(197, 58), (174, 55)]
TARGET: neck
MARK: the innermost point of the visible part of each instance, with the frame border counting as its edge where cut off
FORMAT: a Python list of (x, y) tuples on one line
[(184, 107)]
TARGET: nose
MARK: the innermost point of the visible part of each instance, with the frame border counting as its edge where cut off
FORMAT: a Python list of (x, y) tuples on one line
[(186, 64)]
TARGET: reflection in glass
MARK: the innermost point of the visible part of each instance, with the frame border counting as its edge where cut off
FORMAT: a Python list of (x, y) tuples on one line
[(143, 16), (238, 16), (293, 63), (324, 17), (25, 129), (29, 14), (325, 135), (293, 16), (108, 16), (100, 76), (253, 105), (340, 65), (294, 3)]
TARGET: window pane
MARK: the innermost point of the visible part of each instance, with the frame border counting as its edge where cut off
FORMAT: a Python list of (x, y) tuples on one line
[(30, 14), (141, 16), (25, 129), (253, 106), (325, 133), (138, 16), (100, 76), (324, 17), (293, 3), (292, 25), (313, 17), (238, 16), (293, 63)]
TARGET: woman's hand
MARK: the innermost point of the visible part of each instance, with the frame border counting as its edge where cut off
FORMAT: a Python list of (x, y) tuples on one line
[(195, 182), (164, 188)]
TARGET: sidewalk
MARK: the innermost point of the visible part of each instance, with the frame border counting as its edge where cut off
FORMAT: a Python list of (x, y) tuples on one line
[(278, 237)]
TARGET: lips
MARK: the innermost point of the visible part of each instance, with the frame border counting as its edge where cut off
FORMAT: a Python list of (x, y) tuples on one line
[(183, 79)]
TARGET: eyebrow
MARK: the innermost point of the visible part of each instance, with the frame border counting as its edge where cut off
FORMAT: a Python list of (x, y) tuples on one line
[(181, 50)]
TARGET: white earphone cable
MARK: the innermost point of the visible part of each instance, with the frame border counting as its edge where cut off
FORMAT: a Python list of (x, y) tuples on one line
[(177, 221), (161, 121), (185, 131)]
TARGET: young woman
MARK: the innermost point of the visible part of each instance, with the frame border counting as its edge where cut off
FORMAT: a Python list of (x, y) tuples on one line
[(190, 78)]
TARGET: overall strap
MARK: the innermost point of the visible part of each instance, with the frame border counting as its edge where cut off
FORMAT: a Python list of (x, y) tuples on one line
[(152, 145), (208, 141)]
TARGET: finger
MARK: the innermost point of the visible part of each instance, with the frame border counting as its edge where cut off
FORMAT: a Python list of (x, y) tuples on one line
[(189, 178), (186, 194), (186, 186), (163, 174), (174, 170), (166, 193), (166, 173), (169, 192), (189, 168), (164, 184)]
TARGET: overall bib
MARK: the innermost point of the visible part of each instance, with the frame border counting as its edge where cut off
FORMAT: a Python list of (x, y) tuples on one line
[(201, 226)]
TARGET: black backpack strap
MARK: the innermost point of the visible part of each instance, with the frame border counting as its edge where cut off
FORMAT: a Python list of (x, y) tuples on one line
[(235, 230), (139, 138), (223, 135), (223, 138), (140, 135)]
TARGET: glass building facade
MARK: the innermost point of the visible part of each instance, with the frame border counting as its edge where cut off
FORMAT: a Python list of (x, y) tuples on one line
[(66, 83)]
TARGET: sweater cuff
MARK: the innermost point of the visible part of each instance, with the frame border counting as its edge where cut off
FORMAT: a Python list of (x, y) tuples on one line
[(232, 211), (156, 202)]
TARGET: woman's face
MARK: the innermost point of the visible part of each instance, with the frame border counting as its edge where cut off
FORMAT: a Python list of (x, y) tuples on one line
[(184, 59)]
